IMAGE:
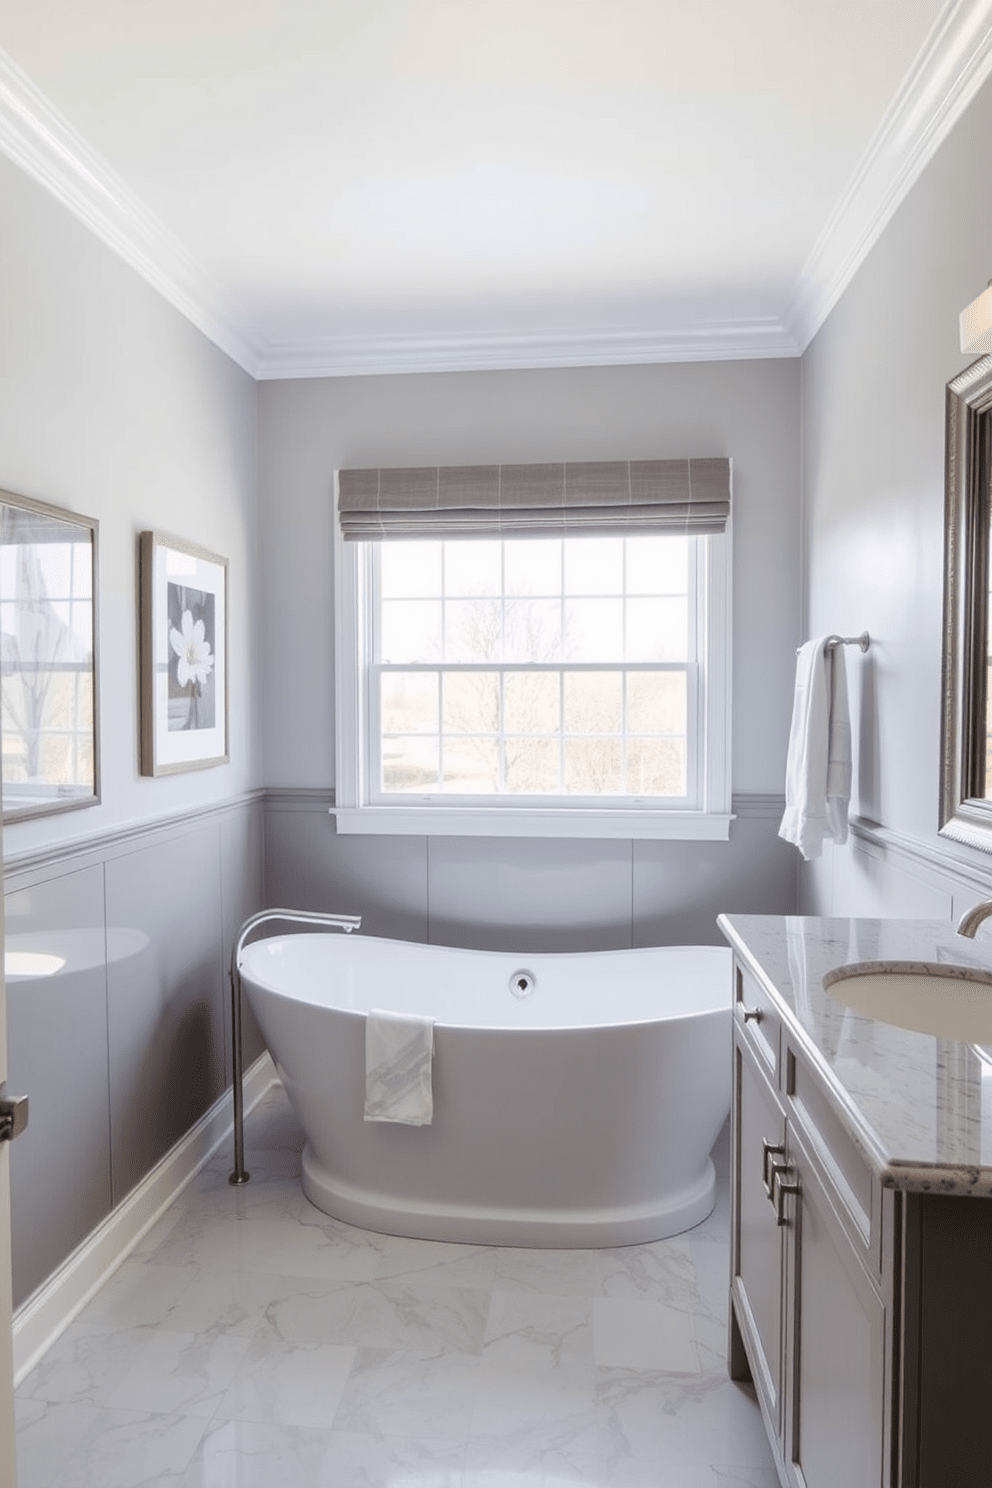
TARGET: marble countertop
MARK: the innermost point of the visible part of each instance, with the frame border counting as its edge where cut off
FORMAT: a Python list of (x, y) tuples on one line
[(919, 1107)]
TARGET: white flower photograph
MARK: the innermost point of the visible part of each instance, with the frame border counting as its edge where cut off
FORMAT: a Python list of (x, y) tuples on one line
[(191, 666)]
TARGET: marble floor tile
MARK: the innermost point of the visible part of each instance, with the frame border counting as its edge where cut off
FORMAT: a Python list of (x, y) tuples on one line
[(86, 1364), (711, 1264), (389, 1315), (644, 1475), (520, 1399), (271, 1238), (288, 1384), (554, 1454), (703, 1420), (228, 1303), (254, 1454), (631, 1333), (435, 1262), (364, 1461), (664, 1271), (525, 1330), (247, 1454), (556, 1273), (138, 1295), (182, 1373), (252, 1340), (410, 1394), (81, 1446)]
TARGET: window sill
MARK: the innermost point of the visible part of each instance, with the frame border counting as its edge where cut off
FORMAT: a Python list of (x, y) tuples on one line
[(421, 821)]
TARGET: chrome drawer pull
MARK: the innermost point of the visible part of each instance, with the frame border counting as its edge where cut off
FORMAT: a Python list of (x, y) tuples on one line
[(769, 1149), (779, 1188), (753, 1015)]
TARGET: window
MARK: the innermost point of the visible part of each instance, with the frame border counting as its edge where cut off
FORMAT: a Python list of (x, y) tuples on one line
[(534, 685)]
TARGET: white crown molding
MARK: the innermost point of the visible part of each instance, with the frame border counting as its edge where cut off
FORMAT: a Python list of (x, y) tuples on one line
[(358, 356), (44, 144), (953, 65)]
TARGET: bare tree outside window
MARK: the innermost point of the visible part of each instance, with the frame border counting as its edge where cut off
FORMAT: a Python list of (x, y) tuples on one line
[(535, 668)]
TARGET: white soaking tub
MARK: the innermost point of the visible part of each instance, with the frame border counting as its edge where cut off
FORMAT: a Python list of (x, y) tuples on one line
[(580, 1113)]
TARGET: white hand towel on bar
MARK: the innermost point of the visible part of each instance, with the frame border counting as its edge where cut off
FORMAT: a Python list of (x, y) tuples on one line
[(818, 768), (399, 1055)]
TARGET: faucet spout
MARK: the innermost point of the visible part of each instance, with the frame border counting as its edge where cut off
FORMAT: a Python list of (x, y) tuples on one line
[(972, 918)]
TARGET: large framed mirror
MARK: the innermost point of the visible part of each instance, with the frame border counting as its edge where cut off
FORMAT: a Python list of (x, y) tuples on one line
[(966, 755), (48, 658)]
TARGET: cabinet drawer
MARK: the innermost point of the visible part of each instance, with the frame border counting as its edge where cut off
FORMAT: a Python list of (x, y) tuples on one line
[(851, 1180), (758, 1019)]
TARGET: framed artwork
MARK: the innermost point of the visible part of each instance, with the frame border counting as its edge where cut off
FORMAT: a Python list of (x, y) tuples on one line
[(183, 621), (48, 658)]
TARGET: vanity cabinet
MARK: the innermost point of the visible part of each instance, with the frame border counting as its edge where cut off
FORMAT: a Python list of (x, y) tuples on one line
[(861, 1312), (808, 1315)]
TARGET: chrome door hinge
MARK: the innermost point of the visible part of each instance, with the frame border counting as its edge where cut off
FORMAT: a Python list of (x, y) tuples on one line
[(13, 1116)]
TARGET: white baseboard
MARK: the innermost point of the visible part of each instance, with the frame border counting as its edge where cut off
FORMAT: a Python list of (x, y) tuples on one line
[(46, 1314)]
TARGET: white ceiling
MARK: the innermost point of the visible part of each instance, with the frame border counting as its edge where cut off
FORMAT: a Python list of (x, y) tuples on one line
[(364, 185)]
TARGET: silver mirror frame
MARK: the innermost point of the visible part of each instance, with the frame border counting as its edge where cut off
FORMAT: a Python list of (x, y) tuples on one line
[(965, 813), (89, 526)]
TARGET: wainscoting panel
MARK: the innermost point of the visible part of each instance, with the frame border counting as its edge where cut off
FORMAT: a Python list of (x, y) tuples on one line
[(681, 887), (529, 893), (872, 880), (125, 1047), (57, 1037), (166, 1010), (308, 866), (884, 874)]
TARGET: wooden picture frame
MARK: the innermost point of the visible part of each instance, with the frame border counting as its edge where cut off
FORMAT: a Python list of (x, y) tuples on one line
[(183, 605)]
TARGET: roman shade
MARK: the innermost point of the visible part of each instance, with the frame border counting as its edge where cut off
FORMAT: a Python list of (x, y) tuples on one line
[(621, 496)]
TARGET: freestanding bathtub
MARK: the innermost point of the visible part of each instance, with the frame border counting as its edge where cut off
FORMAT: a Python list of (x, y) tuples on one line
[(575, 1108)]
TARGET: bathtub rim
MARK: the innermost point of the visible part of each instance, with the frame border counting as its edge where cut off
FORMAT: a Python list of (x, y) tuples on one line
[(250, 977)]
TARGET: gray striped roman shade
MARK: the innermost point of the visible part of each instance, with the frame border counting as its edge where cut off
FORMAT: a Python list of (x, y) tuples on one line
[(633, 496)]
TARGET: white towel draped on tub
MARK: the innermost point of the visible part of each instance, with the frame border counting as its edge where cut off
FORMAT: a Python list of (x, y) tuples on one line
[(818, 770), (399, 1054)]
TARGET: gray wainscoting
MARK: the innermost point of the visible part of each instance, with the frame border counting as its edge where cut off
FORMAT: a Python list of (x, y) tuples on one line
[(529, 894), (124, 1048), (884, 874)]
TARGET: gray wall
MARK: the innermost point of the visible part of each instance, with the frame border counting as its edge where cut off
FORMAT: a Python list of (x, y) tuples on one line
[(527, 893), (112, 404), (873, 426)]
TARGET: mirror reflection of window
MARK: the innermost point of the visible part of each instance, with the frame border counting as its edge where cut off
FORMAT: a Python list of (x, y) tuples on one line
[(47, 671)]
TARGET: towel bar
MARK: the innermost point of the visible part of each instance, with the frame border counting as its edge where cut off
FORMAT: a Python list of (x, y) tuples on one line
[(863, 641)]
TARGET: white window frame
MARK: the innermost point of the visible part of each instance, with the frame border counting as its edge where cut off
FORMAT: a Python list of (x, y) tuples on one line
[(357, 811)]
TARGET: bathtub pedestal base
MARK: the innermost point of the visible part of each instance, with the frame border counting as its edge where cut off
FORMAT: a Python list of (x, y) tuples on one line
[(559, 1229)]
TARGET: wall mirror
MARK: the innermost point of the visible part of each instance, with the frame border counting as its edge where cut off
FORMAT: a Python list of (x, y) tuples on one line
[(966, 755), (48, 661)]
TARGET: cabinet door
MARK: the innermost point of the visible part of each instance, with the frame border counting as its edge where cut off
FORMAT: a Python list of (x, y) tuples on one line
[(757, 1264), (836, 1390)]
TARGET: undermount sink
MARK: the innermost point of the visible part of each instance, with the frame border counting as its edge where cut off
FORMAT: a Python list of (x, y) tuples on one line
[(953, 1002)]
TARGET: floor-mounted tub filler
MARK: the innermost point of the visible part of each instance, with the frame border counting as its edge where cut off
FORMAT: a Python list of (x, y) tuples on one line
[(576, 1097)]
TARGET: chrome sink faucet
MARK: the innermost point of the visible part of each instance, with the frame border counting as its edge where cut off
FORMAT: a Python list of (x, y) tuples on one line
[(972, 918)]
